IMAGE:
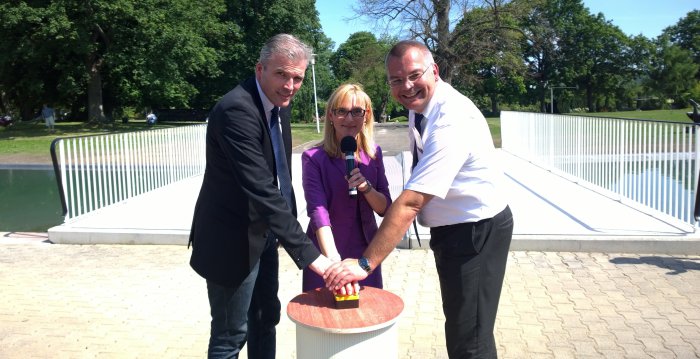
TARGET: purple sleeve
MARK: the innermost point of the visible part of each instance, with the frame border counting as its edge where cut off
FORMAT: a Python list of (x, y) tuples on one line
[(314, 193), (382, 185)]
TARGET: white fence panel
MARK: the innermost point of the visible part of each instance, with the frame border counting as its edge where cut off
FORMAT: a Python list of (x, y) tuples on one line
[(97, 171), (652, 165)]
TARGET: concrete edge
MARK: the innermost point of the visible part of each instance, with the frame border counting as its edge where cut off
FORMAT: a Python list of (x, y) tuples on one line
[(68, 235), (608, 244), (685, 245)]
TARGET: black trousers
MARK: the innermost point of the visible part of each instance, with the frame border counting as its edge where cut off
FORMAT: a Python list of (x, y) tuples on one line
[(471, 263)]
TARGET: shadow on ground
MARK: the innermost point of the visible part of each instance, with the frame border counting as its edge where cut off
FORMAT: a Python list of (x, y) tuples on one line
[(676, 265)]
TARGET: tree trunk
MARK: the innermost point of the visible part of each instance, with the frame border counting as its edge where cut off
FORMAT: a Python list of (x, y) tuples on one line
[(543, 100), (382, 107), (443, 53), (26, 111), (95, 112), (494, 105)]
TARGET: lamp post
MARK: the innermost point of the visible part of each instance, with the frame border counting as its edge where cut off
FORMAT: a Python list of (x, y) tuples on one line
[(551, 95), (313, 74)]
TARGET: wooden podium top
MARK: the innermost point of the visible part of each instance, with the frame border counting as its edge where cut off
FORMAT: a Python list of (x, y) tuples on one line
[(316, 309)]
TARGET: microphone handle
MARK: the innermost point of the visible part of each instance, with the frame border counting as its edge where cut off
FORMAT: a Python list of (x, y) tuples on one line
[(349, 166)]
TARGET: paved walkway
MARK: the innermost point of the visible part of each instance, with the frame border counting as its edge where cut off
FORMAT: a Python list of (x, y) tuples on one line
[(122, 301), (126, 301)]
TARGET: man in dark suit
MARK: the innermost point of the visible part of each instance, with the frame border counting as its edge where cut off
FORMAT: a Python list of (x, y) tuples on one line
[(244, 208)]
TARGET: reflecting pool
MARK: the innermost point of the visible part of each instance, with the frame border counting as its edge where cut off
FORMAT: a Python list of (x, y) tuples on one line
[(29, 200)]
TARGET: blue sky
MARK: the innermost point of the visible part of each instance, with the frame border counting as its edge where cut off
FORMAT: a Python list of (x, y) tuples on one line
[(634, 17)]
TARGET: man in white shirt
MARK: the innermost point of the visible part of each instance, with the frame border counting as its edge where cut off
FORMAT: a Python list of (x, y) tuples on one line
[(455, 189)]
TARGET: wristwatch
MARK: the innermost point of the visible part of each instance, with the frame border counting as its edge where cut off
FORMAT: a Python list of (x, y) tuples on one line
[(364, 264), (368, 188)]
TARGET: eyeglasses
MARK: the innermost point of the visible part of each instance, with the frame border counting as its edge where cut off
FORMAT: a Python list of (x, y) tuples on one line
[(355, 112), (411, 78)]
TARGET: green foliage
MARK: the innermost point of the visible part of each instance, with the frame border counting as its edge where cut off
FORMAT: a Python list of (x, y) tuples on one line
[(686, 34), (111, 54), (673, 74), (304, 109), (130, 53), (360, 60), (115, 55)]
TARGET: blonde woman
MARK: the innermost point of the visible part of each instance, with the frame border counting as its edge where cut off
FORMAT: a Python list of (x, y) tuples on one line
[(341, 225)]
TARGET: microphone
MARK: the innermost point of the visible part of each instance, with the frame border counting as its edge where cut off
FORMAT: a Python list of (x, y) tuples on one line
[(348, 145)]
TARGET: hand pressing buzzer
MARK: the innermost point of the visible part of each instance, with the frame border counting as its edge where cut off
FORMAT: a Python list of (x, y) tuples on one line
[(358, 181), (398, 218), (322, 263)]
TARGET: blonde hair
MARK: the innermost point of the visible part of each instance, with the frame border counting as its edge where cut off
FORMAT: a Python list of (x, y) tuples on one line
[(365, 138)]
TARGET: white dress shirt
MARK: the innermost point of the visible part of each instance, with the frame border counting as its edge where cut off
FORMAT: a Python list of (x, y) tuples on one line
[(457, 163)]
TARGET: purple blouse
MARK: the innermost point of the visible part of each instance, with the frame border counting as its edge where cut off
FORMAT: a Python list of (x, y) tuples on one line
[(352, 220)]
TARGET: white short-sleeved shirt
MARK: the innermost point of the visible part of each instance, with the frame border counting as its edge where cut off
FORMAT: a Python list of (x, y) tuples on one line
[(457, 163)]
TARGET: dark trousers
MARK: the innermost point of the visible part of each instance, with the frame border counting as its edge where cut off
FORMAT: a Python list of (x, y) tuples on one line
[(247, 313), (471, 263)]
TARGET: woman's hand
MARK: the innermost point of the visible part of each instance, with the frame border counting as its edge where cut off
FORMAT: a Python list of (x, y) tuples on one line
[(358, 181)]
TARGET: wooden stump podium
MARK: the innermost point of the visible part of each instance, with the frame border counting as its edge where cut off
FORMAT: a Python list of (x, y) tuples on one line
[(365, 332)]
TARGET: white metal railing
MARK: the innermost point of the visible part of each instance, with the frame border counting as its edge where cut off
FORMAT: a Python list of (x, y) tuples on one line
[(643, 163), (96, 171)]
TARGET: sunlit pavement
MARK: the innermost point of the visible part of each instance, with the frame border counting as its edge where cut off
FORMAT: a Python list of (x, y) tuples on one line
[(126, 301)]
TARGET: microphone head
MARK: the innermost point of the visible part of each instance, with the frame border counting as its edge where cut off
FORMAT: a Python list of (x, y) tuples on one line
[(348, 144)]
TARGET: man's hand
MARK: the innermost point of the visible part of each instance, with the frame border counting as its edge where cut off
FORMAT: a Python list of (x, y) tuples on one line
[(339, 274)]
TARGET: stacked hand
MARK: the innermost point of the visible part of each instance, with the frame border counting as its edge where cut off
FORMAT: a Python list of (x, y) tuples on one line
[(343, 276)]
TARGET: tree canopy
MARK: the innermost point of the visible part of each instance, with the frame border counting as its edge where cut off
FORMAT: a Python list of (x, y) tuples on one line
[(96, 58)]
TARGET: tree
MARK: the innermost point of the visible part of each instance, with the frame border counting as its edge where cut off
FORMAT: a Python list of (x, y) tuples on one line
[(540, 51), (303, 109), (360, 59), (686, 34), (498, 74), (139, 53), (594, 60), (567, 46), (431, 20), (673, 71)]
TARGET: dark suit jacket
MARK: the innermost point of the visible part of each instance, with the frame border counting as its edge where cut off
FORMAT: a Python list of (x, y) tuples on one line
[(239, 200)]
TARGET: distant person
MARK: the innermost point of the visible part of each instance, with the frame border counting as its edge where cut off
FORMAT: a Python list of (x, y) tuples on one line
[(6, 121), (151, 119), (341, 225), (49, 117), (246, 205), (455, 189)]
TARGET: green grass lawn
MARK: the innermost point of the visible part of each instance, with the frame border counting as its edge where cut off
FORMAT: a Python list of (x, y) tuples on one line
[(32, 138), (659, 115)]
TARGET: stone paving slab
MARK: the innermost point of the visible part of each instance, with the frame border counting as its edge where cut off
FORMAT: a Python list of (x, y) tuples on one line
[(124, 301)]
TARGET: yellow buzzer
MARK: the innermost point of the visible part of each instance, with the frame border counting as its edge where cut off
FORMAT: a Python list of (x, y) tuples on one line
[(347, 301)]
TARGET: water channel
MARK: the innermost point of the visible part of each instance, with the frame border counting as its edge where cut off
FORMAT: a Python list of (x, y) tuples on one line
[(29, 199)]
